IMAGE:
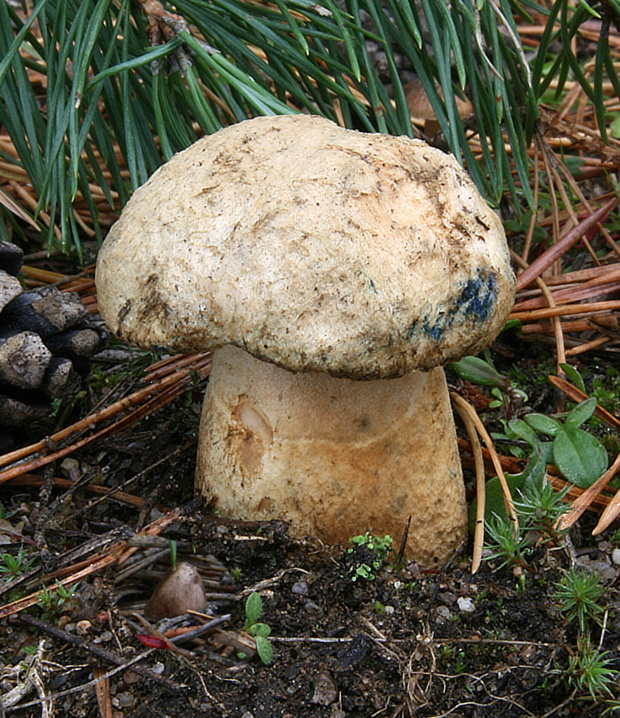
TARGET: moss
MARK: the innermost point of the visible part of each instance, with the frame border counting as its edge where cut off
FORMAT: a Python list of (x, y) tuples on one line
[(606, 389)]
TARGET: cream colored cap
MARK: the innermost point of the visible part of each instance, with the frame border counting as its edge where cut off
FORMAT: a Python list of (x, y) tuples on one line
[(312, 247)]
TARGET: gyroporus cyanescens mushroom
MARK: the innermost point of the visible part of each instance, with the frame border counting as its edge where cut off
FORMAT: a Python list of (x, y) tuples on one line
[(334, 272), (420, 107)]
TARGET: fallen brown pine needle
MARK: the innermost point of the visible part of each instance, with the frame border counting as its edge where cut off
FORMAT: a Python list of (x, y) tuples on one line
[(465, 411), (588, 290), (481, 429), (102, 690), (551, 255), (613, 507), (508, 463), (61, 483), (584, 501), (564, 310)]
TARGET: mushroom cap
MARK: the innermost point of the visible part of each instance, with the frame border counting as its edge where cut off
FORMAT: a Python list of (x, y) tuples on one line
[(180, 591), (420, 106), (310, 246)]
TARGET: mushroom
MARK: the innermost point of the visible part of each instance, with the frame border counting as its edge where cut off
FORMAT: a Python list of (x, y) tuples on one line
[(177, 593), (420, 107), (334, 272)]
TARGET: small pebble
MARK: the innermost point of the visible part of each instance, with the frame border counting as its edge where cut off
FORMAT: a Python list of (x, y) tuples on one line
[(124, 700), (615, 556), (528, 654), (325, 689), (466, 605), (443, 613), (388, 610), (447, 598), (83, 627), (155, 514), (601, 566), (300, 588), (69, 466), (129, 677)]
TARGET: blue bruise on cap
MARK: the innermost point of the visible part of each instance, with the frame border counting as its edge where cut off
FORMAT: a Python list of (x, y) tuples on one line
[(474, 302)]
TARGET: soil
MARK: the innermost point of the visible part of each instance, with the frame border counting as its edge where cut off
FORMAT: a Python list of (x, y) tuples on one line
[(399, 643)]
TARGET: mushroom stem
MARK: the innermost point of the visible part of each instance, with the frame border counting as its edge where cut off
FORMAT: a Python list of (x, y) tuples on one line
[(335, 457)]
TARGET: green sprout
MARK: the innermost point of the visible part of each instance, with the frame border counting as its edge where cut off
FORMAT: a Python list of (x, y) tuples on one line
[(173, 545), (578, 594), (540, 508), (260, 631), (507, 544), (52, 601), (12, 566), (372, 550), (506, 396), (590, 671)]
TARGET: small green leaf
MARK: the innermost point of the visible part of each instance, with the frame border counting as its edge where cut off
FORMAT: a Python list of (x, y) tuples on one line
[(581, 413), (253, 609), (579, 456), (478, 371), (545, 424), (573, 164), (264, 650), (513, 324), (522, 431), (260, 630), (574, 376)]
